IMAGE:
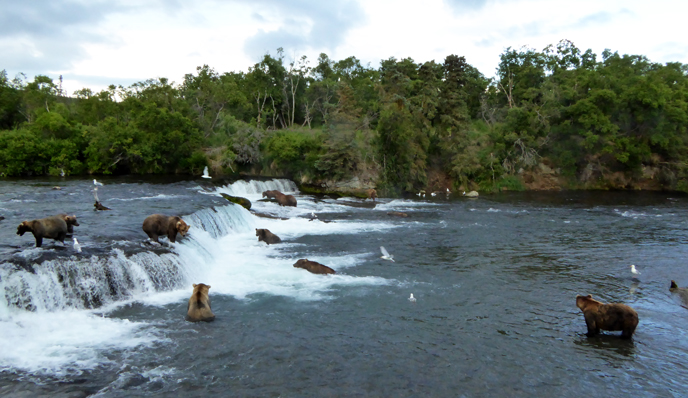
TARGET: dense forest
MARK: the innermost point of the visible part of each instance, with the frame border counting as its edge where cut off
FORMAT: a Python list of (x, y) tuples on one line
[(558, 117)]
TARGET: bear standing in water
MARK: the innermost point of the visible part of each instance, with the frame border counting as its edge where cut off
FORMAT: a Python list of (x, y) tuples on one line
[(198, 308), (53, 227), (160, 225), (71, 222), (611, 317), (264, 235), (286, 200)]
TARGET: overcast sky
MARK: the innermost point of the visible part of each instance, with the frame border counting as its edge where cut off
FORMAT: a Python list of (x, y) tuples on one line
[(94, 43)]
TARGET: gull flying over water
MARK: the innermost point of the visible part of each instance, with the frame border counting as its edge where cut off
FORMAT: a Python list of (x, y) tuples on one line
[(412, 299), (385, 255), (634, 271), (205, 173), (77, 246)]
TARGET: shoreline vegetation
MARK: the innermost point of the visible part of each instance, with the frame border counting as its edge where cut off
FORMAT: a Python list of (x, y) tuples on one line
[(557, 118)]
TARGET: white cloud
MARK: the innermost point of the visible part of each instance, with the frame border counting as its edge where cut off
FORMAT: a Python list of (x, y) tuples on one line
[(94, 44)]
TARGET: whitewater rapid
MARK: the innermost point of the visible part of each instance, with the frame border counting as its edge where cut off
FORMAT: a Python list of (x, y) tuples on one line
[(59, 309)]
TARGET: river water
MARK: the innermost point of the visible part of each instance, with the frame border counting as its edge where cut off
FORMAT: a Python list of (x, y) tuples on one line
[(495, 280)]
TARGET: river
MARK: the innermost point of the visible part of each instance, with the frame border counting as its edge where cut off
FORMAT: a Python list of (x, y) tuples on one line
[(495, 280)]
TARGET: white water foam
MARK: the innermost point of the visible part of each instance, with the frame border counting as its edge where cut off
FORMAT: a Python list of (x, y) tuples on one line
[(49, 310)]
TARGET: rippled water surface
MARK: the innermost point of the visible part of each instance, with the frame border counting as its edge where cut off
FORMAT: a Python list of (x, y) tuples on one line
[(495, 280)]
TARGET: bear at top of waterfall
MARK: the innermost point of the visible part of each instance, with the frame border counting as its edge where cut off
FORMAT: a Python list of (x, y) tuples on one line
[(286, 200), (264, 235), (271, 194), (372, 194), (159, 225), (313, 267), (71, 222), (53, 227), (198, 308), (613, 316)]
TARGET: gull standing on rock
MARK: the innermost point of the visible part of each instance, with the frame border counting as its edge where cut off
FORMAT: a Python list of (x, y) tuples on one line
[(96, 183), (205, 173), (633, 270), (77, 246), (386, 255), (412, 299)]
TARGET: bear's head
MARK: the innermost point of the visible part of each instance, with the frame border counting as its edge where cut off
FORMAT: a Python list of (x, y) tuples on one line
[(303, 263), (201, 288), (71, 220), (26, 226), (258, 232), (182, 227), (584, 302)]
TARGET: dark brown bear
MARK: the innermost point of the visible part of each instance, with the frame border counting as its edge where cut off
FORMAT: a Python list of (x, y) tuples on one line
[(264, 235), (198, 308), (272, 194), (611, 317), (53, 227), (313, 267), (372, 194), (286, 200), (681, 291), (99, 206), (160, 225), (71, 222)]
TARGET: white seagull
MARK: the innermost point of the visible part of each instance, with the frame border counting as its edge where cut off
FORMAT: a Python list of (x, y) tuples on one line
[(205, 173), (412, 299), (434, 194), (96, 183), (634, 271), (62, 173), (77, 246), (386, 255)]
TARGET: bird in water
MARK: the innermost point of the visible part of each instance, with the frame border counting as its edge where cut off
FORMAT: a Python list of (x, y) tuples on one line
[(77, 246), (62, 173), (634, 271), (386, 255), (412, 299), (96, 183), (205, 173)]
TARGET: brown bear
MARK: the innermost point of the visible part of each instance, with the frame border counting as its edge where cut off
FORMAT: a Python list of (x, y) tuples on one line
[(198, 308), (71, 222), (681, 291), (99, 206), (372, 194), (313, 267), (160, 224), (53, 227), (264, 235), (397, 214), (286, 200), (272, 194), (607, 316)]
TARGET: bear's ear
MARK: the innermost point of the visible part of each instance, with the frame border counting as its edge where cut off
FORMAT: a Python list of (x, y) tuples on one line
[(194, 285), (208, 286), (589, 296)]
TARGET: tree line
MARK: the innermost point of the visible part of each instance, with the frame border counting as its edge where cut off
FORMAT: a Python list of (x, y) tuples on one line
[(598, 123)]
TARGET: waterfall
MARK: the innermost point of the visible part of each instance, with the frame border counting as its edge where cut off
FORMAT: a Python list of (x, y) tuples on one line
[(253, 187), (72, 282)]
